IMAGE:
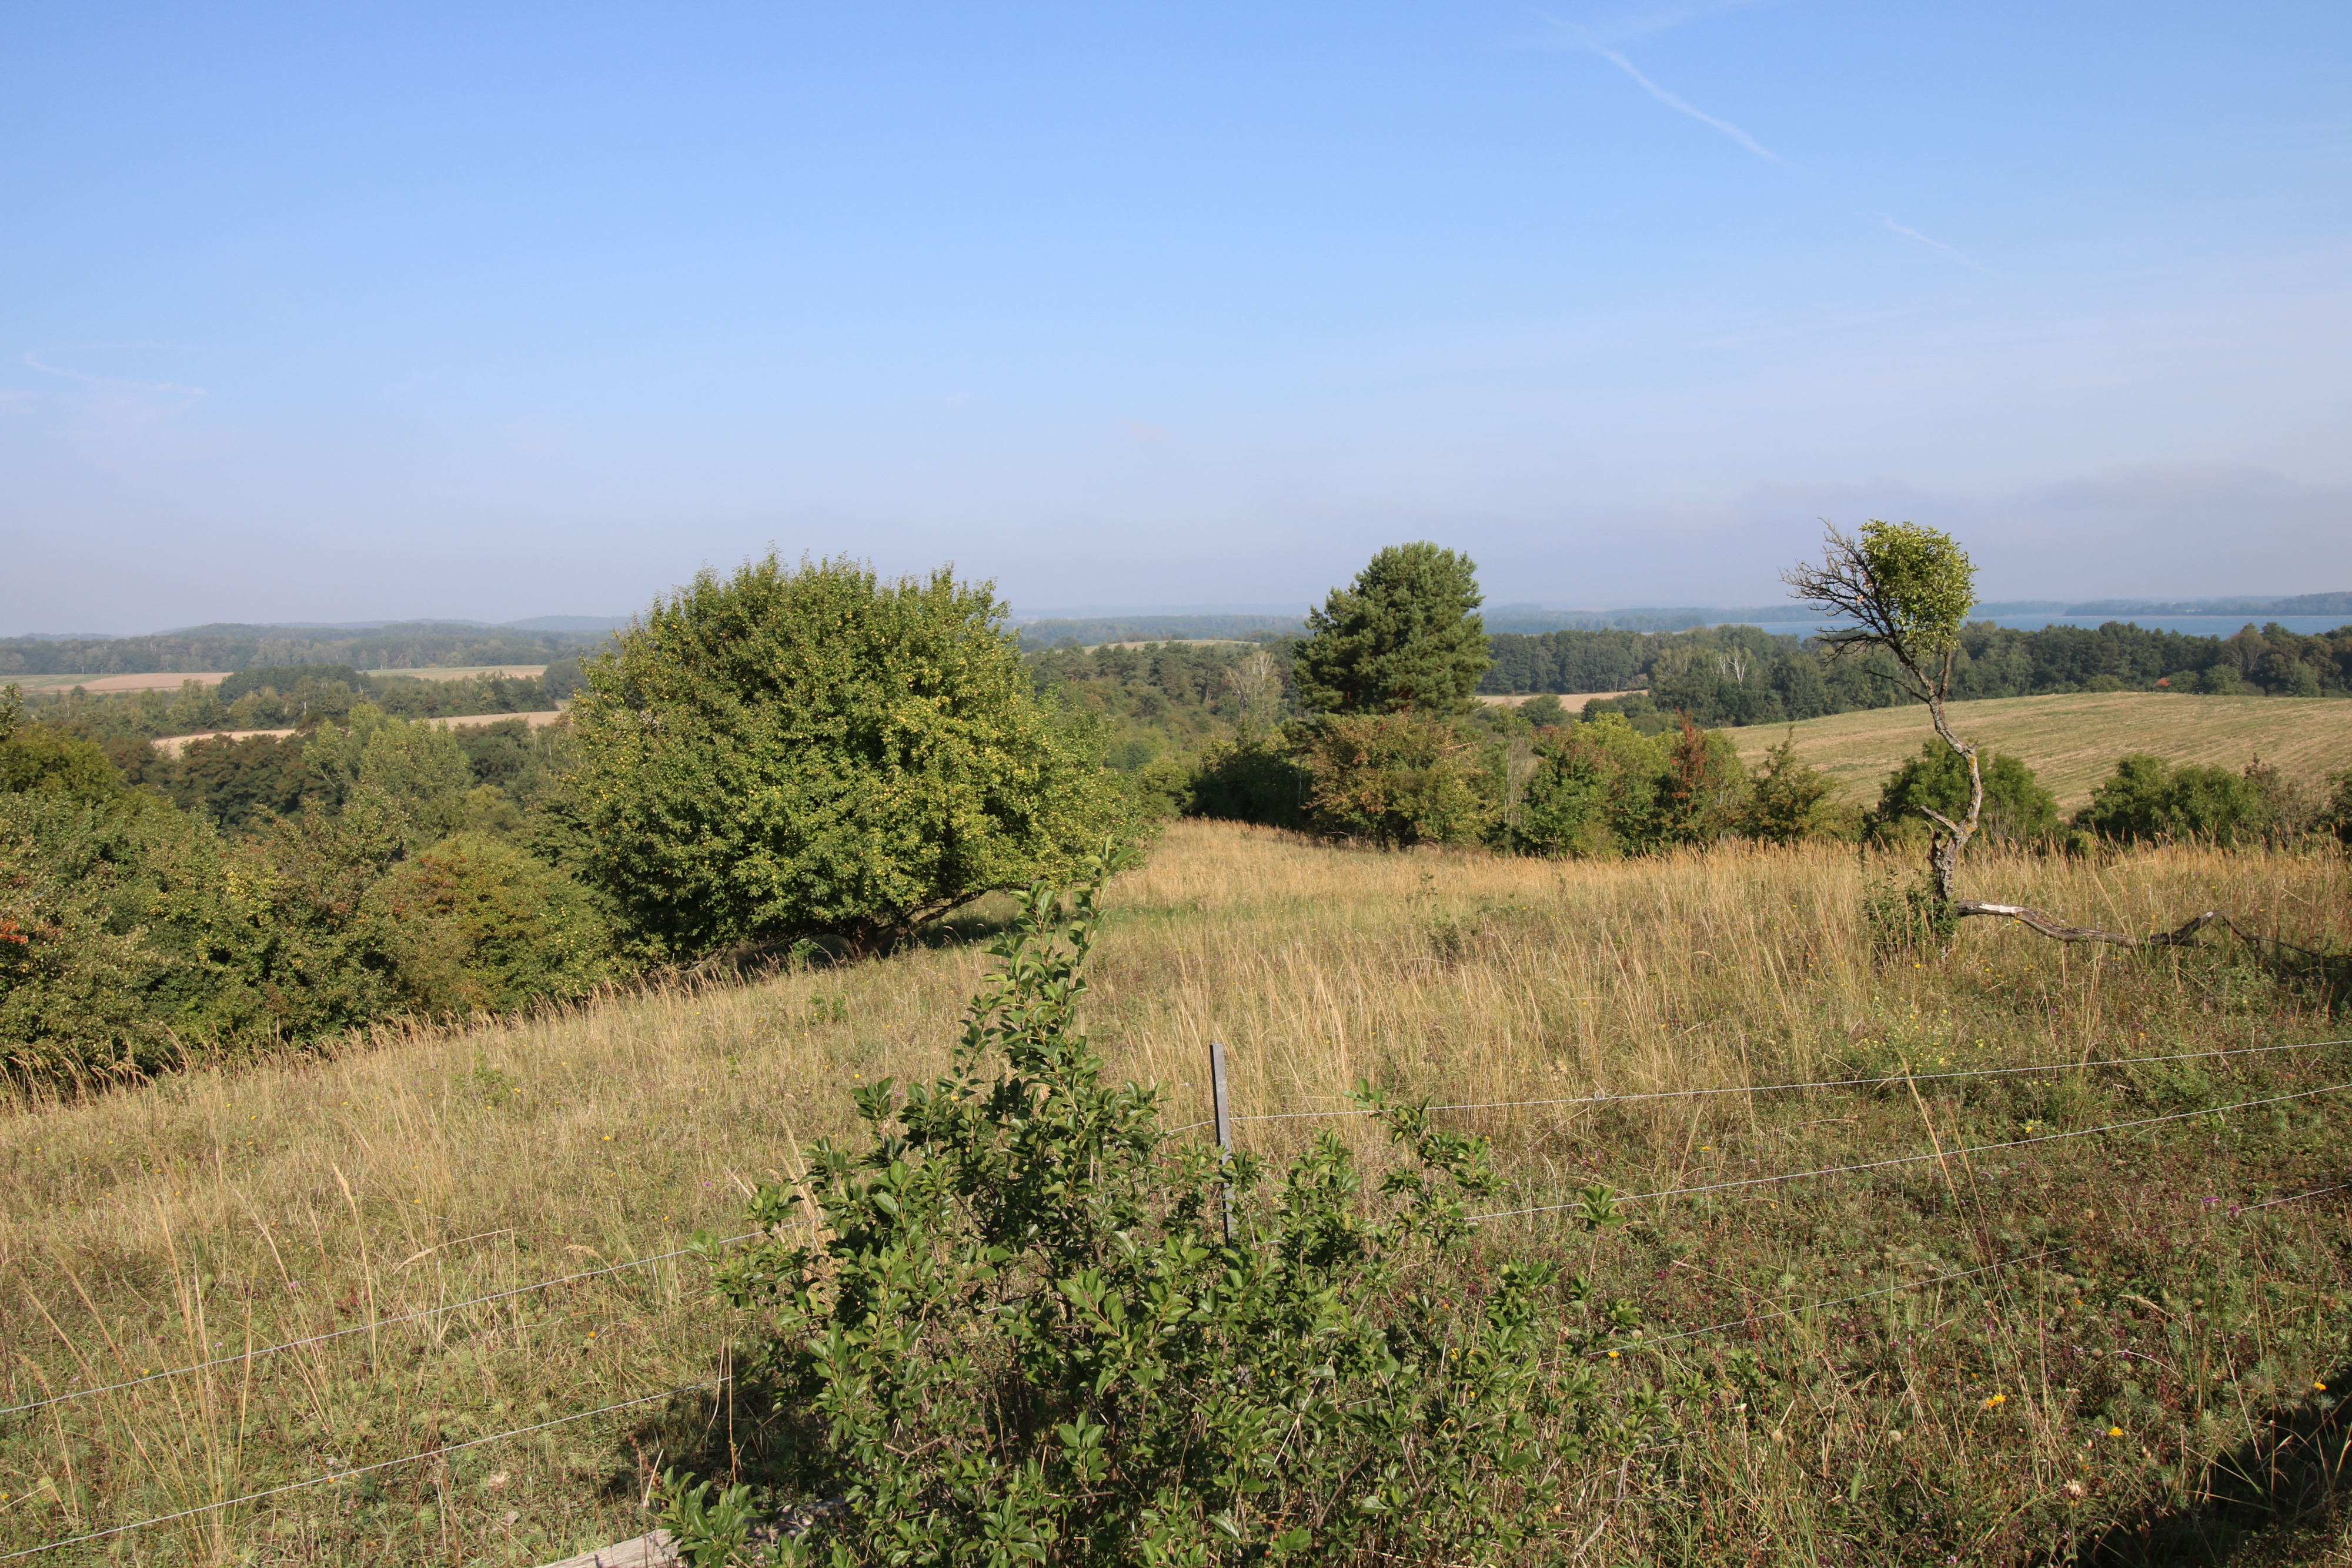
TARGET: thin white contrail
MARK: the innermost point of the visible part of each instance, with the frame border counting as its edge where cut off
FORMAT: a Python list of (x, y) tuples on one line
[(1671, 101), (1952, 251), (33, 357)]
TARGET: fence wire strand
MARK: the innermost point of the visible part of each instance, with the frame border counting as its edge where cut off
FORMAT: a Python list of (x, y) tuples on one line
[(1819, 1084), (357, 1471), (361, 1328), (1915, 1159), (1648, 1340)]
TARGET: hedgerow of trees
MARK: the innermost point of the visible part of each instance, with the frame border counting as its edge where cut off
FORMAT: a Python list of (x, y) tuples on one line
[(783, 755), (814, 757)]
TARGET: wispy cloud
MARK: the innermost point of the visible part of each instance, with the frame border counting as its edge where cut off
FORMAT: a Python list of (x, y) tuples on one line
[(1952, 251), (36, 358), (1685, 107)]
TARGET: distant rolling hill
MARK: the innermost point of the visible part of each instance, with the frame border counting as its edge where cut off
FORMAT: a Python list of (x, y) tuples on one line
[(2071, 742)]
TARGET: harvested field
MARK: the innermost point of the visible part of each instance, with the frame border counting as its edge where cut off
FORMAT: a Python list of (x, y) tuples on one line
[(164, 681), (1572, 701), (2071, 742), (172, 745), (460, 671)]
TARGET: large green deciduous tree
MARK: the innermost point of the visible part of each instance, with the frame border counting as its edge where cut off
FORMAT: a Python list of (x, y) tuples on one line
[(1404, 636), (788, 753)]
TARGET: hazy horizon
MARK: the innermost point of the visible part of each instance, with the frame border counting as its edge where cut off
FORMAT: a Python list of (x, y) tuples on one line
[(1985, 608), (327, 313)]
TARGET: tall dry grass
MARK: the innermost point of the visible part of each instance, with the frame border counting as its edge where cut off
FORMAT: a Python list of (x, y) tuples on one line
[(201, 1217)]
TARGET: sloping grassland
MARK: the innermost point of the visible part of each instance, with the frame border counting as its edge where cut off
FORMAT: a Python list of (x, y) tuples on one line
[(2022, 1347), (2073, 742)]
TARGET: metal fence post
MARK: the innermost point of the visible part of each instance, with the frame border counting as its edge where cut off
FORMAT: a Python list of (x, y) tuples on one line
[(1224, 1127)]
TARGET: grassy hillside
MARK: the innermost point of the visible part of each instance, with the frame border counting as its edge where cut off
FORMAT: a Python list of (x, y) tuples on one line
[(2073, 742), (2154, 1327)]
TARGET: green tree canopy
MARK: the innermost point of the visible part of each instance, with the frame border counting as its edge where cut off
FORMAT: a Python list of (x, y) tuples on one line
[(1405, 635), (786, 753)]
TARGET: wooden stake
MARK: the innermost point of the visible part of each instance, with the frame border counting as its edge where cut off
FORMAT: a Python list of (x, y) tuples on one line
[(1225, 1126)]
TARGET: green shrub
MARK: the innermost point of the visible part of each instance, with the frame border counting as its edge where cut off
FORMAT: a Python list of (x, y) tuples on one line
[(71, 1002), (2147, 799), (2335, 816), (42, 757), (1021, 1336), (1394, 779), (1564, 809), (143, 942), (2017, 809), (1604, 787), (784, 754), (1902, 917), (1253, 777), (474, 925), (1785, 806)]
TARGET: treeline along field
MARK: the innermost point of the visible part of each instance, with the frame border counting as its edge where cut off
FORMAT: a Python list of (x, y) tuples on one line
[(243, 895), (409, 645)]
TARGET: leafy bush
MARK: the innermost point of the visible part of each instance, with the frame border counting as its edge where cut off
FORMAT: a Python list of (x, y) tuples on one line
[(1902, 917), (41, 757), (1019, 1336), (71, 984), (2017, 809), (784, 754), (474, 925), (2336, 815), (1785, 806), (1394, 779), (1565, 807), (1604, 787), (2148, 799), (1249, 779), (134, 937)]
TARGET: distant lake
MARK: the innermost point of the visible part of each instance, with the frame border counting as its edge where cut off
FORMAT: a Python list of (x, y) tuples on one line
[(2197, 625)]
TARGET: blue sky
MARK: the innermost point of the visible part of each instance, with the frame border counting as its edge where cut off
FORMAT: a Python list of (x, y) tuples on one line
[(334, 312)]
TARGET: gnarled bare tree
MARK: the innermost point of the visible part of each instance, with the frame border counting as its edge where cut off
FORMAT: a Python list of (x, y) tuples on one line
[(1906, 589)]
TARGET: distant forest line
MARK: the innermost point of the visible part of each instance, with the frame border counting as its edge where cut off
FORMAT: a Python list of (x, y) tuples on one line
[(409, 646), (1171, 697)]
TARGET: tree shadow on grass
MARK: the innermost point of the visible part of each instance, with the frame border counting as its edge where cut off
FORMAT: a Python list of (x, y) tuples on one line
[(2276, 1498)]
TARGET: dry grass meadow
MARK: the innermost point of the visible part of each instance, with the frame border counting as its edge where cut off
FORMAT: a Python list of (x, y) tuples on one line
[(2071, 742), (2122, 1320)]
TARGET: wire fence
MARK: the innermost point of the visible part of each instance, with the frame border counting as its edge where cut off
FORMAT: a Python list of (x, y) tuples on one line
[(355, 1472), (1915, 1159), (1647, 1342), (1880, 1082), (371, 1326)]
